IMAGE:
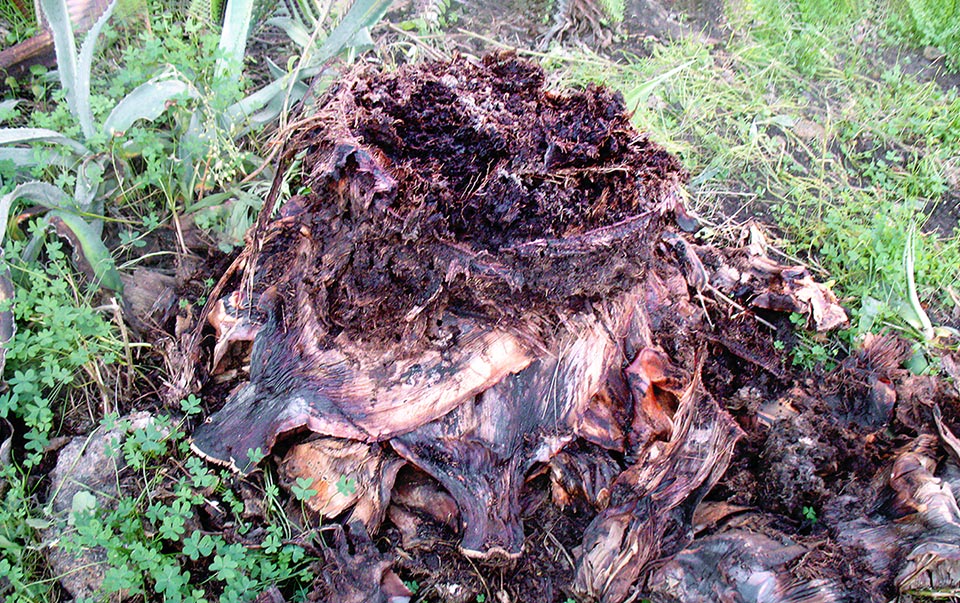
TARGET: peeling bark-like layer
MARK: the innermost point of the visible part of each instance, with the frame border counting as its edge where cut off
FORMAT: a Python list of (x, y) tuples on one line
[(494, 286)]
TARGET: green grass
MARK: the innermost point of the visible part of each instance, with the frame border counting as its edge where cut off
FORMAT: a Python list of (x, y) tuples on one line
[(17, 22), (929, 22), (792, 119)]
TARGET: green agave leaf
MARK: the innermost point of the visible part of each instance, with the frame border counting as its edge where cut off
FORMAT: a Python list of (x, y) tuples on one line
[(6, 433), (275, 71), (40, 193), (919, 319), (190, 142), (89, 177), (8, 327), (27, 158), (252, 103), (363, 14), (362, 41), (233, 39), (66, 48), (271, 111), (265, 105), (89, 252), (210, 201), (85, 66), (293, 28), (146, 101), (10, 136), (311, 11), (6, 109)]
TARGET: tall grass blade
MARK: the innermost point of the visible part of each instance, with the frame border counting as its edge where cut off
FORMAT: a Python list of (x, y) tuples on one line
[(640, 93)]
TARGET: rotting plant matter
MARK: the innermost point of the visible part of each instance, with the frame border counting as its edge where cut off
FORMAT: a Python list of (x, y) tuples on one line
[(491, 282)]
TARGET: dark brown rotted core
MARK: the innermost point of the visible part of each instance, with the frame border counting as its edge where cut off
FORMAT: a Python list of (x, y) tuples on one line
[(467, 186)]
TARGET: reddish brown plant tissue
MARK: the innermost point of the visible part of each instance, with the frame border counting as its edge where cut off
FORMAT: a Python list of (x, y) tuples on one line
[(485, 314)]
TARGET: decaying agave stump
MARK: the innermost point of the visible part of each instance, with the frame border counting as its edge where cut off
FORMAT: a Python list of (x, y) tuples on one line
[(480, 273)]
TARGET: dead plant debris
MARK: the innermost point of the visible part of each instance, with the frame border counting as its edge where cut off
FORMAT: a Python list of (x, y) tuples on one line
[(487, 316)]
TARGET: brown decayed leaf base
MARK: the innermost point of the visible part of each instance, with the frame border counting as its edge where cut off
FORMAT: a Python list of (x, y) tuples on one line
[(494, 285)]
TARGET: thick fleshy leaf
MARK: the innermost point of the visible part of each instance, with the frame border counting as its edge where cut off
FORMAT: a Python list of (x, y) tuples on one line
[(84, 67), (266, 104), (6, 442), (275, 71), (89, 252), (58, 17), (363, 14), (191, 147), (233, 39), (8, 326), (7, 109), (11, 136), (40, 193), (312, 11), (85, 197), (28, 158), (913, 313), (146, 101), (293, 28), (256, 101)]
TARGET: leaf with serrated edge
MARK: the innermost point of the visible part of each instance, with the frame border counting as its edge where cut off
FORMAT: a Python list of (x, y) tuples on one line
[(294, 30), (233, 39), (10, 136), (84, 67), (27, 158), (363, 14), (58, 17)]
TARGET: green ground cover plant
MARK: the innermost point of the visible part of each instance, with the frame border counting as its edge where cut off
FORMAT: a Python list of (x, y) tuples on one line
[(930, 22), (135, 127)]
